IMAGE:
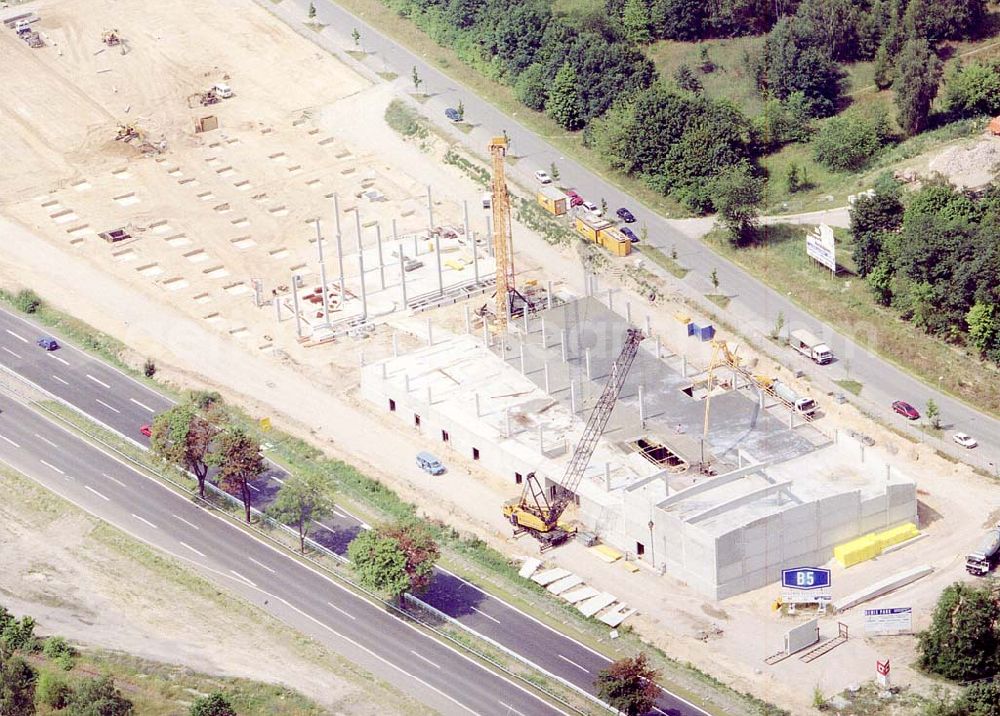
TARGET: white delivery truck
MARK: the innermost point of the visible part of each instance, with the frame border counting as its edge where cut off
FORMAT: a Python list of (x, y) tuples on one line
[(810, 346), (806, 406), (985, 558)]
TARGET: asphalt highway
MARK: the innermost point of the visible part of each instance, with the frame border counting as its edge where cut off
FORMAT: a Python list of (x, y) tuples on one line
[(123, 405), (753, 306)]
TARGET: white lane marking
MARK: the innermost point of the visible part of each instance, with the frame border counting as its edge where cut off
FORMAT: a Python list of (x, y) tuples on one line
[(196, 527), (424, 658), (142, 405), (143, 519), (4, 437), (241, 577), (46, 440), (193, 549), (346, 614), (109, 407), (99, 382), (10, 351), (97, 493), (53, 355), (480, 611), (510, 709), (568, 661), (253, 487), (113, 479), (18, 337), (52, 467), (320, 524), (339, 514), (660, 711), (60, 379), (259, 564)]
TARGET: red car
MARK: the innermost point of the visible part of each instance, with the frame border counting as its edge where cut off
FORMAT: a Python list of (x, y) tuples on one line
[(146, 430), (906, 410), (574, 198)]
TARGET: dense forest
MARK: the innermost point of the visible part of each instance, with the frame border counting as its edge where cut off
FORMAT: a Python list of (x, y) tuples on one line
[(590, 72), (933, 255)]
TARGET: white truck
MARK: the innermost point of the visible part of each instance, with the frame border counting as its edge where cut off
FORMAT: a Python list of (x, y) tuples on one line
[(806, 406), (986, 556), (810, 346)]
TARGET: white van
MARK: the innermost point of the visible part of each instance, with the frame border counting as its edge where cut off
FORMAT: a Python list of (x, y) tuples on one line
[(222, 90)]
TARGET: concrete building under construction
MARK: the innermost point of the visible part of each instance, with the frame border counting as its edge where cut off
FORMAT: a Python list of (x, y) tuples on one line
[(723, 509)]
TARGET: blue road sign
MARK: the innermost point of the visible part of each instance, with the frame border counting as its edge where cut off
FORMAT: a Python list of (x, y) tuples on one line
[(805, 578)]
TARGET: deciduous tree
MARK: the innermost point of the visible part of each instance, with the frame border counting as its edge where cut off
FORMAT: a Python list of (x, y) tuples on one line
[(240, 462), (738, 195), (564, 105), (99, 697), (394, 559), (963, 639), (183, 436), (17, 685), (301, 499), (215, 704), (629, 685), (973, 89)]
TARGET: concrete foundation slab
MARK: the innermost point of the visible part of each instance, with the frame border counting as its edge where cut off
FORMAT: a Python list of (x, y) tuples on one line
[(590, 607), (578, 595), (549, 576), (528, 568), (561, 585)]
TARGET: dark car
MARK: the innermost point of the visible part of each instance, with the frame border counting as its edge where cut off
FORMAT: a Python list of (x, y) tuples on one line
[(453, 114), (146, 430), (574, 198), (625, 215), (906, 410), (48, 343), (630, 234)]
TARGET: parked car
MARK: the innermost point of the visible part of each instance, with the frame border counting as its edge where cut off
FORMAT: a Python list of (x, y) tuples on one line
[(453, 114), (630, 234), (592, 208), (146, 430), (543, 177), (429, 463), (574, 198), (48, 343), (625, 215), (966, 441), (906, 410)]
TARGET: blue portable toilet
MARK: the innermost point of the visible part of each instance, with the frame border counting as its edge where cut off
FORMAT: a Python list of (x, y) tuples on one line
[(692, 328), (706, 333)]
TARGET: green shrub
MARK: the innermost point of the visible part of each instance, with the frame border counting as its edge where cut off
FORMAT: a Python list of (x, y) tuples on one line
[(27, 301), (53, 690), (404, 120), (851, 141), (59, 651)]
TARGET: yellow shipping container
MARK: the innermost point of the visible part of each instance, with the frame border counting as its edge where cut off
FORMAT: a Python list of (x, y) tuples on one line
[(615, 242), (552, 200)]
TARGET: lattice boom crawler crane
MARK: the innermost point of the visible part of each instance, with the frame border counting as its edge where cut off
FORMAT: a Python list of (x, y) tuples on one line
[(533, 511)]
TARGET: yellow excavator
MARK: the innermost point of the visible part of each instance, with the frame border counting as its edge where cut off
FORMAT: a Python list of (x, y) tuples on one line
[(538, 513)]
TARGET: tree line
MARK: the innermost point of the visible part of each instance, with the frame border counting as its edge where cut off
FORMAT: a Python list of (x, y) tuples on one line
[(933, 256)]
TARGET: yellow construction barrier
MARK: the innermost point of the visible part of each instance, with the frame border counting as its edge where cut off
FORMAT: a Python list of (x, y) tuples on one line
[(872, 545), (608, 554), (682, 318), (631, 567)]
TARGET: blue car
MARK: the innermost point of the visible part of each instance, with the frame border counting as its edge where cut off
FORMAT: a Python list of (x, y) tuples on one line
[(429, 464), (48, 343), (630, 234), (625, 215), (452, 114)]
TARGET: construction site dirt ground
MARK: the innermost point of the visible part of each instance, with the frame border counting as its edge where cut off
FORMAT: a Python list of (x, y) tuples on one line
[(59, 122)]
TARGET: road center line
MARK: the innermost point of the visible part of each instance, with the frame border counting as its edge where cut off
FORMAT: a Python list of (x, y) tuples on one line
[(424, 658), (53, 355), (113, 479), (202, 554), (97, 493), (99, 382), (60, 379), (259, 564), (194, 527), (660, 711), (510, 709), (320, 524), (253, 487), (143, 519), (18, 337), (52, 467), (142, 405), (46, 440), (242, 578), (109, 407), (568, 661), (346, 614), (480, 611), (4, 437), (10, 351), (338, 513)]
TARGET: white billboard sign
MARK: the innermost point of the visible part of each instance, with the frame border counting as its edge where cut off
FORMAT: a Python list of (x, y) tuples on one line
[(884, 622), (820, 245)]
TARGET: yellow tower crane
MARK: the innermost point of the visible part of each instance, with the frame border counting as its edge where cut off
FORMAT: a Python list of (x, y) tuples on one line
[(503, 247)]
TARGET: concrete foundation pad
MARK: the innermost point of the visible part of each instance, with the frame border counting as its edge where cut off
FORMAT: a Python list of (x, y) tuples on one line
[(617, 614), (591, 606), (561, 585), (578, 595), (529, 567), (549, 576)]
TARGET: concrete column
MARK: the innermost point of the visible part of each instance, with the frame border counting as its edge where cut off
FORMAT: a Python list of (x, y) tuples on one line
[(628, 312), (340, 248), (319, 242), (477, 405), (430, 333), (544, 336), (572, 396), (546, 369), (472, 242), (468, 319), (486, 334), (520, 347), (586, 282), (361, 359), (277, 309), (525, 315), (562, 343), (406, 382), (385, 372), (416, 245), (437, 257), (381, 262), (430, 212), (548, 294), (326, 294), (642, 411), (611, 305), (607, 476), (430, 400), (506, 421), (657, 348), (364, 293), (489, 235), (541, 439), (295, 303), (649, 328), (586, 358), (395, 345), (402, 275), (684, 366)]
